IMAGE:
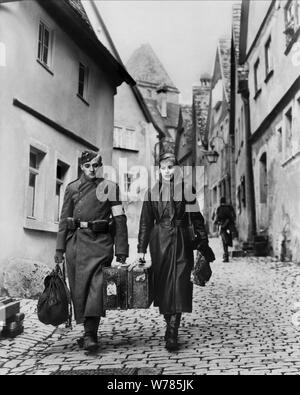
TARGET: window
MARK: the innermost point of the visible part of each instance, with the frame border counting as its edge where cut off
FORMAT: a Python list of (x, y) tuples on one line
[(257, 87), (268, 58), (279, 137), (288, 132), (243, 191), (35, 159), (128, 180), (44, 46), (263, 179), (215, 196), (83, 81), (61, 172), (125, 138)]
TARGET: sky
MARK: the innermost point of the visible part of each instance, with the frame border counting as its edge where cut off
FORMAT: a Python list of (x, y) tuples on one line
[(183, 33)]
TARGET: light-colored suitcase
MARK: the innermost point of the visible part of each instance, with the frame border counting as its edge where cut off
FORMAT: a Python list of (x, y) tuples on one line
[(125, 289)]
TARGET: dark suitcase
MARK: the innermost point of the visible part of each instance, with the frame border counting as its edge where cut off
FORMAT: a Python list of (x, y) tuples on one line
[(115, 288), (125, 289), (11, 320), (8, 309)]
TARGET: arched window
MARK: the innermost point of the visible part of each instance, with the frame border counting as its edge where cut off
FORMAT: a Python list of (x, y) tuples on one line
[(263, 178)]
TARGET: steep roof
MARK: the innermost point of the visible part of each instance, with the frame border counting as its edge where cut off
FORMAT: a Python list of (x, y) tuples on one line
[(145, 66), (224, 49), (171, 121)]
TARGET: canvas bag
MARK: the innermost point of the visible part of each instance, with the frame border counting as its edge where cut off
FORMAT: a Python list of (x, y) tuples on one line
[(54, 305)]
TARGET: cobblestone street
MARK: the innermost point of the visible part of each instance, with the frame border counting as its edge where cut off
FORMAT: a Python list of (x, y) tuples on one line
[(241, 324)]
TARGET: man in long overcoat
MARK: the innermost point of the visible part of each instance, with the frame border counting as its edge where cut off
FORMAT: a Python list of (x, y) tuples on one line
[(225, 219), (86, 238)]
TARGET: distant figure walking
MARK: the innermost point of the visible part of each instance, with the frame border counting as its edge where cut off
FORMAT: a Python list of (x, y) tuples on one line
[(225, 218)]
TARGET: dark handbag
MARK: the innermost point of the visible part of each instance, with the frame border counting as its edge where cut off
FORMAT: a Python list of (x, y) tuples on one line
[(202, 271), (54, 305)]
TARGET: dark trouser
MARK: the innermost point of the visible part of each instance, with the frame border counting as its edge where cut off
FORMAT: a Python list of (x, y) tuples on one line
[(91, 325), (226, 251)]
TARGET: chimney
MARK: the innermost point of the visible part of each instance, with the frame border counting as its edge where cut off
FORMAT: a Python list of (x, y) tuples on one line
[(162, 100)]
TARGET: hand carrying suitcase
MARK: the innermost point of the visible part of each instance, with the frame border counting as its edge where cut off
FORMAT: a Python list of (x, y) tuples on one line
[(125, 289)]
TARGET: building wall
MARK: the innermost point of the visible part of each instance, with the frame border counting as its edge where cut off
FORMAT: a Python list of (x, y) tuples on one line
[(276, 150), (242, 203), (128, 115), (55, 96), (286, 70), (218, 174), (281, 212), (257, 12)]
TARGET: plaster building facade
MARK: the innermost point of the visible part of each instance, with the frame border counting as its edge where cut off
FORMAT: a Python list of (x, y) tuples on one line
[(270, 49), (220, 176), (57, 99), (245, 207), (135, 135)]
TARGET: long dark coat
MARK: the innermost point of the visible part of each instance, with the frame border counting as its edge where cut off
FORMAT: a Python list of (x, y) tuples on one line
[(225, 216), (164, 225), (88, 252)]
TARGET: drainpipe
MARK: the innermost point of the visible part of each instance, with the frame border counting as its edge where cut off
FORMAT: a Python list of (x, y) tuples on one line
[(250, 190)]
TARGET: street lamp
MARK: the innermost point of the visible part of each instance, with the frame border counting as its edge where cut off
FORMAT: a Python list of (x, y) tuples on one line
[(213, 156)]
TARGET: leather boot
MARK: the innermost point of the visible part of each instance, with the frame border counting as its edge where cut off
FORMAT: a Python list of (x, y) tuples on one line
[(167, 319), (90, 338), (172, 339)]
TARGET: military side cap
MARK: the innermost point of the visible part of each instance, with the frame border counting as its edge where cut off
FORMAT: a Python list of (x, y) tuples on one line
[(87, 156), (168, 156)]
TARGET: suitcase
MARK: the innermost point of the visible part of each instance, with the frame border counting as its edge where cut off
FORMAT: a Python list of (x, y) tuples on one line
[(115, 288), (140, 295), (125, 290), (11, 320), (8, 309)]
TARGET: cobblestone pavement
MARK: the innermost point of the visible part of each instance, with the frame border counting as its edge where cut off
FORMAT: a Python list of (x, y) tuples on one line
[(241, 324)]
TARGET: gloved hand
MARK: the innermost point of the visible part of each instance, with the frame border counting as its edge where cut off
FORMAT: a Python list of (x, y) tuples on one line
[(59, 256), (121, 259), (207, 252)]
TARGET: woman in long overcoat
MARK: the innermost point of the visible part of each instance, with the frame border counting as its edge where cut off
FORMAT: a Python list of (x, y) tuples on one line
[(164, 225)]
